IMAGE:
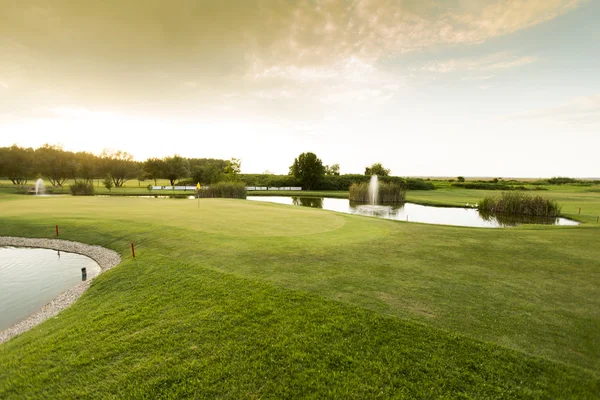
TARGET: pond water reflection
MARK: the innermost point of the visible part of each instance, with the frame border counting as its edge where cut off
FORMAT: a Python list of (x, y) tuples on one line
[(415, 212), (31, 278)]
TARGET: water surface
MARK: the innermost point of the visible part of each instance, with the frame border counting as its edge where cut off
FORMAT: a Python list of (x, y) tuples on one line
[(467, 216), (31, 278)]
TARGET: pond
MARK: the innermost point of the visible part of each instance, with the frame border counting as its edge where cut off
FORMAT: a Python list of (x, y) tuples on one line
[(411, 212), (31, 278)]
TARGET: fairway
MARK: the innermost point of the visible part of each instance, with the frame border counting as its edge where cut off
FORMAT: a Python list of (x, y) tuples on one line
[(238, 299)]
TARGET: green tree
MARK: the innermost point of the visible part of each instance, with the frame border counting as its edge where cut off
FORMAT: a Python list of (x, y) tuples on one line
[(154, 169), (88, 166), (16, 164), (377, 169), (308, 170), (55, 164), (120, 165), (332, 169), (108, 182), (460, 178), (176, 168), (233, 169)]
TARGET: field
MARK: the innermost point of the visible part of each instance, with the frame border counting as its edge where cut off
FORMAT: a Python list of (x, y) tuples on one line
[(238, 299)]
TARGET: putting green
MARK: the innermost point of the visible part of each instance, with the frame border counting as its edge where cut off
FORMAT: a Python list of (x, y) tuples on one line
[(219, 216)]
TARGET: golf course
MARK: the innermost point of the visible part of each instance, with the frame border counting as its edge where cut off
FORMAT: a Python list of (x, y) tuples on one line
[(228, 298)]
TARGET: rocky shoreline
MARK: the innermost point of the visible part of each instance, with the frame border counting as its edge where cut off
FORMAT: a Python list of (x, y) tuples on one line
[(105, 258)]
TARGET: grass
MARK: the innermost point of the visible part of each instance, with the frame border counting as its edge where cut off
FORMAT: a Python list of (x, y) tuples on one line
[(580, 203), (520, 203), (245, 299), (231, 190), (387, 193)]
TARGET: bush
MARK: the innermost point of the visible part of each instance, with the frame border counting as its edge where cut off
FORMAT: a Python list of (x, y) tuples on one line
[(232, 190), (388, 193), (561, 180), (419, 184), (82, 189), (520, 203), (483, 186)]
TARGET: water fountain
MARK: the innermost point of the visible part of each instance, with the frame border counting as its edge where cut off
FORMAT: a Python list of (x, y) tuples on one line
[(40, 188), (374, 190)]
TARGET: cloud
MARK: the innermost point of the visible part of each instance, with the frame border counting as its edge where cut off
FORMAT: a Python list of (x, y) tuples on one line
[(373, 29), (581, 112), (171, 55), (493, 62)]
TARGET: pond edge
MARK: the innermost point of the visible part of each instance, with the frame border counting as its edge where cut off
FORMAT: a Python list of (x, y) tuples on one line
[(105, 258)]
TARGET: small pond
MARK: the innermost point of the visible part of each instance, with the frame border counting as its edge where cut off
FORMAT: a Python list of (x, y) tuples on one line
[(415, 212), (31, 278)]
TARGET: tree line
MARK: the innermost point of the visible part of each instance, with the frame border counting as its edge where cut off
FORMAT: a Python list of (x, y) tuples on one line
[(57, 165), (116, 167)]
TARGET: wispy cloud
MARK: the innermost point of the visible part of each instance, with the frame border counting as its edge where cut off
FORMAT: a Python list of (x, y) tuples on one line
[(492, 62), (372, 29), (582, 111), (113, 52)]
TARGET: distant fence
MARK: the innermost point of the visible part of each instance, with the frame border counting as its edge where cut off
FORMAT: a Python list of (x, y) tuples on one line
[(185, 188), (272, 188), (249, 188)]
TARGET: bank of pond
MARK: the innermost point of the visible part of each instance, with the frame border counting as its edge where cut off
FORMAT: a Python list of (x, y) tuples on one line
[(469, 215)]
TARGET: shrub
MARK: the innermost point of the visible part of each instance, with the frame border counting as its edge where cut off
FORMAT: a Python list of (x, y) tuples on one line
[(82, 189), (561, 180), (483, 185), (520, 203), (418, 184), (388, 193), (232, 190)]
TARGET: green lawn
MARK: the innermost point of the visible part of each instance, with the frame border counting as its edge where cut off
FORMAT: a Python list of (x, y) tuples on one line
[(240, 299)]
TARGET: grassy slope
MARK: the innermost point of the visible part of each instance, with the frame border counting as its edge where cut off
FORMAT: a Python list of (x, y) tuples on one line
[(171, 320), (571, 198)]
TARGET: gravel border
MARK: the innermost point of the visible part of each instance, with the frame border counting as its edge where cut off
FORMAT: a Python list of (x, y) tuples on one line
[(105, 258)]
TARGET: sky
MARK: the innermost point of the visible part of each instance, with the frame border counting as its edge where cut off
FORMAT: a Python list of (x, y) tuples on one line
[(494, 88)]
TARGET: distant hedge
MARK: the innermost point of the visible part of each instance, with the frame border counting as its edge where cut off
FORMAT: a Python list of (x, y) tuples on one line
[(486, 186)]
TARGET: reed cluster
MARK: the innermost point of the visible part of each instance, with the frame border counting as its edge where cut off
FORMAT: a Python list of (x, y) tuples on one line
[(82, 189), (387, 193), (232, 190), (520, 203)]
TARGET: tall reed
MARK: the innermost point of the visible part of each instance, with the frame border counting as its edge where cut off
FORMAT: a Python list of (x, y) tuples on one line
[(520, 203), (232, 190), (82, 189), (389, 193)]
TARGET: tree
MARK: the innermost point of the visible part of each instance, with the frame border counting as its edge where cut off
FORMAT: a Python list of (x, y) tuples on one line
[(108, 182), (120, 165), (154, 169), (377, 169), (233, 169), (460, 178), (176, 167), (16, 164), (332, 169), (55, 164), (87, 166), (308, 170)]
